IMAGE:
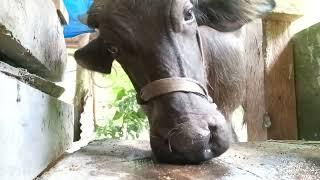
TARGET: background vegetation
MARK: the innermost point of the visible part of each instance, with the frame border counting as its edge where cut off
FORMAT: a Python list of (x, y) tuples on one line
[(128, 120)]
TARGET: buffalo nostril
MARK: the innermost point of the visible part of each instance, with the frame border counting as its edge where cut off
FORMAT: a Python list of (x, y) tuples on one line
[(213, 132), (218, 140), (213, 129), (168, 143)]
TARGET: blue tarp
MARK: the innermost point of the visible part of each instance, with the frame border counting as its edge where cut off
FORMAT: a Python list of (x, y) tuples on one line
[(76, 8)]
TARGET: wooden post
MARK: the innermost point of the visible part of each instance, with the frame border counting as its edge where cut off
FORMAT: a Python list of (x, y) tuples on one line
[(62, 11), (270, 83), (279, 81), (254, 103)]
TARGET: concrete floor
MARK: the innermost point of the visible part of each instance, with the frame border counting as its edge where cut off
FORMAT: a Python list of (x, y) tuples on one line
[(131, 160)]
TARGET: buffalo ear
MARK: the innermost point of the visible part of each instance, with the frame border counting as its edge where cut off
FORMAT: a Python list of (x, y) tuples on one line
[(95, 57), (93, 16), (230, 15)]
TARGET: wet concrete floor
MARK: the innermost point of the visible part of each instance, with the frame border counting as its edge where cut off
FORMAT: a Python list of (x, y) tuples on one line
[(131, 160)]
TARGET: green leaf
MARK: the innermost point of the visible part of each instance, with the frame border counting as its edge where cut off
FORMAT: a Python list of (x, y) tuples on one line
[(117, 115), (121, 94)]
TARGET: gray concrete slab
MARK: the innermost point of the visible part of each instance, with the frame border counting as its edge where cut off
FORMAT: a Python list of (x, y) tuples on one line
[(32, 80), (111, 159), (35, 129), (31, 35)]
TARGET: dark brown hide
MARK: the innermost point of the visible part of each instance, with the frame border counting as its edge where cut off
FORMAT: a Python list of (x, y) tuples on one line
[(225, 67)]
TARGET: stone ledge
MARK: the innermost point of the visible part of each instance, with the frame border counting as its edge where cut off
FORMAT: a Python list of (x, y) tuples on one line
[(34, 81), (112, 159), (31, 36)]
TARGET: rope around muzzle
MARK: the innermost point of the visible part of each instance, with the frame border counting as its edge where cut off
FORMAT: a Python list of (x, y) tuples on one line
[(175, 84)]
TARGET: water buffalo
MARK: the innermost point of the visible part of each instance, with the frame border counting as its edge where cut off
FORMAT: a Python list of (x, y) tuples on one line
[(178, 54)]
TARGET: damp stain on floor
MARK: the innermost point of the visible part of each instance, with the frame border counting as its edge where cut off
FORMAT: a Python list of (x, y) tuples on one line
[(111, 159)]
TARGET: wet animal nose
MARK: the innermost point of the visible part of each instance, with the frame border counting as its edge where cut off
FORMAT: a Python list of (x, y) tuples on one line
[(192, 145)]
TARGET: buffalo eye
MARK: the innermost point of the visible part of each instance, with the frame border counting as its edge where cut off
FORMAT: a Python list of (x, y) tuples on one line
[(188, 15), (113, 50)]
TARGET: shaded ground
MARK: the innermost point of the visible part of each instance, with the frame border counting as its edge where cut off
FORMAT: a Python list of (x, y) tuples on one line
[(132, 160)]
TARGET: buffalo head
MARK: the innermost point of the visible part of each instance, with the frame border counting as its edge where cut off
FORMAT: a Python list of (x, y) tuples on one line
[(159, 39)]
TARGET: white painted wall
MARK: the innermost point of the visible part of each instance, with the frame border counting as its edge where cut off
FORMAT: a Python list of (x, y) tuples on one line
[(35, 129)]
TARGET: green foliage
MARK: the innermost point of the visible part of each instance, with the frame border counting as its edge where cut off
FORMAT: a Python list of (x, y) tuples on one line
[(128, 121)]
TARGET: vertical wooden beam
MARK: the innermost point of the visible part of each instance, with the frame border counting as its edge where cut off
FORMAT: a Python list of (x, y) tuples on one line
[(255, 104), (82, 82), (279, 80)]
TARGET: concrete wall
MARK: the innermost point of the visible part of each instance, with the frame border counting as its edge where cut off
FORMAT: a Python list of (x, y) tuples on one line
[(32, 37), (35, 129)]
